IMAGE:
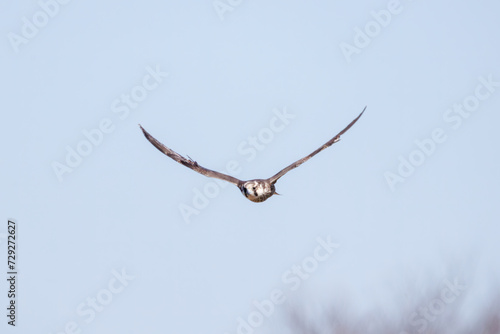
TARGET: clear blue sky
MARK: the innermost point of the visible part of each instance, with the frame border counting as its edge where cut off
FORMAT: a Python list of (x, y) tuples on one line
[(114, 237)]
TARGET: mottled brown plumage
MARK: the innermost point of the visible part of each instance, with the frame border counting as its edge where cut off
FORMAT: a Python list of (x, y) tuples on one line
[(257, 190)]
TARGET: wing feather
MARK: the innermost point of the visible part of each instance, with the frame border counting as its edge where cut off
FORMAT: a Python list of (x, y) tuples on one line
[(329, 143), (188, 162)]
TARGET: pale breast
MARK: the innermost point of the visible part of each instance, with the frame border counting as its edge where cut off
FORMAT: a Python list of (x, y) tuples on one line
[(257, 190)]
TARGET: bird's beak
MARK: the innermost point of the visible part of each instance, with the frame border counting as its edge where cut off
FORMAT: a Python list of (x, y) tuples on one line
[(276, 193)]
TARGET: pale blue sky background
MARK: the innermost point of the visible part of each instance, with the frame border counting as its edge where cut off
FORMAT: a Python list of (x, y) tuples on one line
[(120, 207)]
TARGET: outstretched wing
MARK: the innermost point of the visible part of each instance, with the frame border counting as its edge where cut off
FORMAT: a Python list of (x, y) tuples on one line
[(297, 163), (188, 162)]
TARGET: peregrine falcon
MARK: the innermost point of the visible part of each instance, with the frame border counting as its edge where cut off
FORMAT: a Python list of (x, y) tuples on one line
[(257, 190)]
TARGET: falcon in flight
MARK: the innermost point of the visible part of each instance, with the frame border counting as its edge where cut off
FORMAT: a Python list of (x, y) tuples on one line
[(257, 190)]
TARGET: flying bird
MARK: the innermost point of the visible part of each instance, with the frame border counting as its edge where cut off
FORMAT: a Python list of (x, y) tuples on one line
[(257, 190)]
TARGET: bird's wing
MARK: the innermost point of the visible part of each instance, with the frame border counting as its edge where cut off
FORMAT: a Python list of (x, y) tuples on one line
[(297, 163), (188, 162)]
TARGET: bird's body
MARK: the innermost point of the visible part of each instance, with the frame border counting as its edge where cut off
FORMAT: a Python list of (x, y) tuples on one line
[(257, 190)]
